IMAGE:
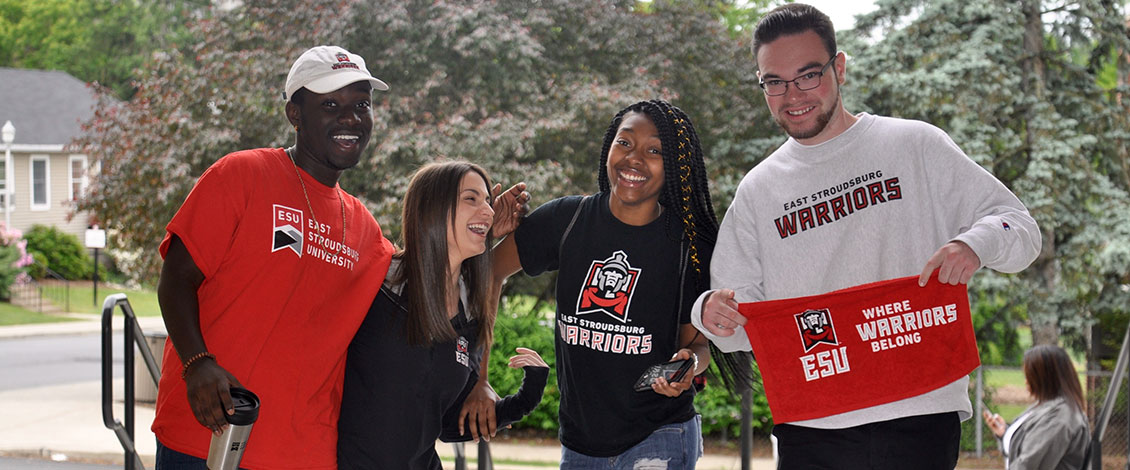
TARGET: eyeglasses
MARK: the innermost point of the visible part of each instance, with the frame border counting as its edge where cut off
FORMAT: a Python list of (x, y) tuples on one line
[(808, 81)]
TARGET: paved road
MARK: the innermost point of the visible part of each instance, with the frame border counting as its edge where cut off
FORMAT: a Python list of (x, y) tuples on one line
[(50, 366), (52, 360)]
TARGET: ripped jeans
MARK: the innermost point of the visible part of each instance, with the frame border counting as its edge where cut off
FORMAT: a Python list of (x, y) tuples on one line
[(672, 447)]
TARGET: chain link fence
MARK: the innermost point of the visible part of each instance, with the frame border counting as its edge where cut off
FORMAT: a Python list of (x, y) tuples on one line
[(1115, 442)]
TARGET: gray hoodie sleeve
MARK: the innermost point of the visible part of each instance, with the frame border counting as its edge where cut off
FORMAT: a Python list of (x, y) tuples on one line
[(735, 265), (989, 217)]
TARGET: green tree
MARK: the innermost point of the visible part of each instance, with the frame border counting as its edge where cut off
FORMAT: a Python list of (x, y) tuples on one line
[(101, 41), (524, 88), (1020, 87)]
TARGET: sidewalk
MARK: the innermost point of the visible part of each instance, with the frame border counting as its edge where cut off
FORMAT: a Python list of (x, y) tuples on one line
[(64, 422), (84, 324)]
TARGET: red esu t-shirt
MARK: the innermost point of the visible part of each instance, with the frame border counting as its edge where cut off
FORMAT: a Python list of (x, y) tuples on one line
[(281, 299)]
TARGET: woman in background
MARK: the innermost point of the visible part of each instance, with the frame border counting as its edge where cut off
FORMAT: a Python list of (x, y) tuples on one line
[(1052, 434)]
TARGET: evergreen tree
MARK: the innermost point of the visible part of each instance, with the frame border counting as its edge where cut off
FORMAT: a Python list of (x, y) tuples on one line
[(1020, 87)]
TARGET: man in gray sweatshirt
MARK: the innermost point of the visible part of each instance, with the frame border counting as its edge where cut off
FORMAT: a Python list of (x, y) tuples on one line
[(849, 200)]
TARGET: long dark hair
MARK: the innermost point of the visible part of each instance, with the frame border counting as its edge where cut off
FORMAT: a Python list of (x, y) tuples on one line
[(686, 194), (689, 212), (1050, 375), (429, 208)]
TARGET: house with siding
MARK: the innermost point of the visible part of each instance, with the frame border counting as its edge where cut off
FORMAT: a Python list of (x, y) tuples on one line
[(46, 109)]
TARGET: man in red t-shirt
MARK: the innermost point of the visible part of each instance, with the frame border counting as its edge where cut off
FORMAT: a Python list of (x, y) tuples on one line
[(269, 270)]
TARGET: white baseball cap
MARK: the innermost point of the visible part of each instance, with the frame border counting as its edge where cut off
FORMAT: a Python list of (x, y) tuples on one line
[(324, 69)]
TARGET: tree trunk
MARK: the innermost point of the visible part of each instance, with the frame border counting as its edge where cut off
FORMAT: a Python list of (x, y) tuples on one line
[(1043, 321)]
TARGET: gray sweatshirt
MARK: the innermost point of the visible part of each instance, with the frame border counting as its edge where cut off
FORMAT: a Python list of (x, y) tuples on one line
[(871, 204)]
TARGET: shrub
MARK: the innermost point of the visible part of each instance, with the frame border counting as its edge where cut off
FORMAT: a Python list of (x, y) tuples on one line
[(13, 259), (38, 268), (721, 410), (518, 324), (65, 254)]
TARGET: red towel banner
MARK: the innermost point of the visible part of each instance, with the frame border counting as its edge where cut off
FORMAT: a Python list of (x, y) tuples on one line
[(861, 346)]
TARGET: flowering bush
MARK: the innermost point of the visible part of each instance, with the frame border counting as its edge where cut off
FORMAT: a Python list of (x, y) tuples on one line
[(14, 258)]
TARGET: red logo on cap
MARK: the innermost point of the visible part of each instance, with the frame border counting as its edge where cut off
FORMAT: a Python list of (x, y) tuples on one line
[(342, 57)]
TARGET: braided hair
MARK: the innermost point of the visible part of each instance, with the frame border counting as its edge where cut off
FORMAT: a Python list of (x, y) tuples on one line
[(685, 197)]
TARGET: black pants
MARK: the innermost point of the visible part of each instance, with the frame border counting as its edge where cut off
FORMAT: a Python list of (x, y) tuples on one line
[(916, 442)]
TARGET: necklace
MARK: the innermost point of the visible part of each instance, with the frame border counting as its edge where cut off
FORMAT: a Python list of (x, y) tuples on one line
[(311, 206)]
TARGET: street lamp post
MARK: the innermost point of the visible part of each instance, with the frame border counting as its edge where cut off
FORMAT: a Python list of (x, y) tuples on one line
[(9, 135)]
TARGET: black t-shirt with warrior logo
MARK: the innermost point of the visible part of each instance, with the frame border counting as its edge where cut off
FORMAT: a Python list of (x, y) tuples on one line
[(619, 309)]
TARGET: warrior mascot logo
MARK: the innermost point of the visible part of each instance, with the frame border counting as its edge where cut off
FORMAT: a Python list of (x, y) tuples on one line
[(608, 287), (815, 328)]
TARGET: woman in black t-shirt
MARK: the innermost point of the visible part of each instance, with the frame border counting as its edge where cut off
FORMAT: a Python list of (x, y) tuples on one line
[(410, 363), (631, 259)]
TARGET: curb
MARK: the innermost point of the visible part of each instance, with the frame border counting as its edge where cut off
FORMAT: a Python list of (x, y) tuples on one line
[(84, 324)]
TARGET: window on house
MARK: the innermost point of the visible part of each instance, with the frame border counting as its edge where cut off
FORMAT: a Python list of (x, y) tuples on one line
[(77, 177), (40, 183)]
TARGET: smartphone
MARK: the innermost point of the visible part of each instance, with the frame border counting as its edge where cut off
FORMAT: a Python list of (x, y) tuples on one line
[(673, 371)]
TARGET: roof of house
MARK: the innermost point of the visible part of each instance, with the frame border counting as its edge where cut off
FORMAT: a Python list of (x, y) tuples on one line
[(47, 107)]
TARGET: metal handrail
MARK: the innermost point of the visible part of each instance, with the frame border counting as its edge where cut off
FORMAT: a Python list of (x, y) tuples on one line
[(36, 288), (1112, 392), (1103, 418), (485, 461), (57, 277), (133, 335)]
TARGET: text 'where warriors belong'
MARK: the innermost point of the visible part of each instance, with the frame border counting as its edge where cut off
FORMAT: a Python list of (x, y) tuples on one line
[(897, 324)]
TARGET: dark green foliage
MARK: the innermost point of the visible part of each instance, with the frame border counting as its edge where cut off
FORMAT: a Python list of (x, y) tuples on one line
[(995, 322), (101, 41), (63, 252), (721, 409), (519, 326), (38, 269)]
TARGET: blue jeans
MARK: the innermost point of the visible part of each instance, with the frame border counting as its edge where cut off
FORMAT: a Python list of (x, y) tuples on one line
[(169, 459), (671, 447)]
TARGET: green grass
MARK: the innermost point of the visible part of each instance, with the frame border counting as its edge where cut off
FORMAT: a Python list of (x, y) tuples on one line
[(1009, 412), (998, 377), (143, 302), (13, 315)]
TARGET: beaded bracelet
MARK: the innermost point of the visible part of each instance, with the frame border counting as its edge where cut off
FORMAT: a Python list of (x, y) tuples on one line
[(191, 360)]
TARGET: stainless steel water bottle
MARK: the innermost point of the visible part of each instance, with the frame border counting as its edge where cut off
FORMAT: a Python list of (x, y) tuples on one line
[(227, 448)]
